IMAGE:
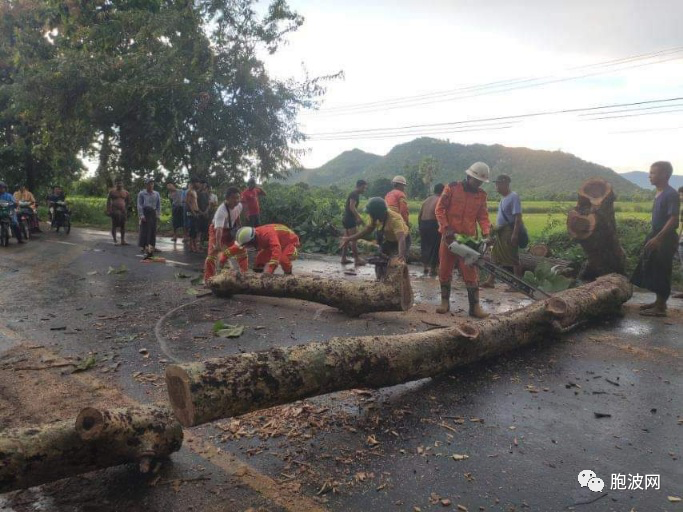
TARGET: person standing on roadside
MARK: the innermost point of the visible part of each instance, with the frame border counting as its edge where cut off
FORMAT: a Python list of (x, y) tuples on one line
[(149, 212), (117, 208), (176, 197), (192, 210), (680, 240), (655, 266), (509, 227), (204, 204), (250, 200), (430, 238), (351, 221)]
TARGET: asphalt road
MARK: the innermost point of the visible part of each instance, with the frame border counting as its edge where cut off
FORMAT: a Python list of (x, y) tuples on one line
[(508, 434)]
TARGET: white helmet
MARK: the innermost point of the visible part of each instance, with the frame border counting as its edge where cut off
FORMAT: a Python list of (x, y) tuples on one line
[(399, 179), (479, 171)]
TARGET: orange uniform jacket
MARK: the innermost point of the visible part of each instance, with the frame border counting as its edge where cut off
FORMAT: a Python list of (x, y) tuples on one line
[(461, 211), (396, 200), (276, 245)]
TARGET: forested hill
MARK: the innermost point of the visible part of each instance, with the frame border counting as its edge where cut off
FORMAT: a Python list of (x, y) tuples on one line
[(535, 173)]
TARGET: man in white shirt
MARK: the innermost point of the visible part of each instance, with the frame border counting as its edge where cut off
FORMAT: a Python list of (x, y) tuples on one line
[(222, 230)]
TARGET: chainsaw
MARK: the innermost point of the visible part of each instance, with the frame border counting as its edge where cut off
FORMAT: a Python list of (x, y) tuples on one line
[(472, 253)]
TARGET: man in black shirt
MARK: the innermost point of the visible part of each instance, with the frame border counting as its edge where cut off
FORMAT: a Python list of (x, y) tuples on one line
[(352, 220)]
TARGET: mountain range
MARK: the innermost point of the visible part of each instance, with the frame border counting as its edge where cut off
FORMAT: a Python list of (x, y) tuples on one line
[(537, 174), (642, 179)]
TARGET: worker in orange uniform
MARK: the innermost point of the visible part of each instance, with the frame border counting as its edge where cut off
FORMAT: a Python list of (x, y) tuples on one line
[(397, 201), (276, 245), (460, 208)]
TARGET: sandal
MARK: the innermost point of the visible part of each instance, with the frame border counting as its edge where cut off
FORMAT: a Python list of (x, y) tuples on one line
[(653, 312)]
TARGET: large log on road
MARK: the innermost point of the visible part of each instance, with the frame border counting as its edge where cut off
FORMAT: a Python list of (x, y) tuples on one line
[(393, 293), (593, 225), (97, 439), (219, 388)]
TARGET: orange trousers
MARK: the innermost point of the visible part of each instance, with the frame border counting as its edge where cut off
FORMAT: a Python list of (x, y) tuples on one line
[(448, 260), (288, 255)]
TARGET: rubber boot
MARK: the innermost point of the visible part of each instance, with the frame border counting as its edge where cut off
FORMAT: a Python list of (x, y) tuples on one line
[(475, 308), (445, 306)]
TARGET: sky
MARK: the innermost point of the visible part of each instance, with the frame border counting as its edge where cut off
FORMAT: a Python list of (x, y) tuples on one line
[(398, 49)]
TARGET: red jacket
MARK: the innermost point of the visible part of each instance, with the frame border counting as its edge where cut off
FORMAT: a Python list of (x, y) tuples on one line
[(461, 210), (396, 200)]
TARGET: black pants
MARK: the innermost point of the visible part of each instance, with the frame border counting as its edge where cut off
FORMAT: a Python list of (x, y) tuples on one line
[(148, 228), (430, 239), (654, 269)]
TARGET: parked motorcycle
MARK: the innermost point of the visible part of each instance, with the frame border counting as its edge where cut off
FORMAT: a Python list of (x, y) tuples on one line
[(26, 216), (62, 217), (5, 222)]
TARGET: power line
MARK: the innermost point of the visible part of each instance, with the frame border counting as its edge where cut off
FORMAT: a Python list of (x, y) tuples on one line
[(508, 85), (370, 131)]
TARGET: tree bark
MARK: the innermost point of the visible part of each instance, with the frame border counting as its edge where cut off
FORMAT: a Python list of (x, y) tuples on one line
[(593, 225), (218, 388), (393, 293), (98, 439)]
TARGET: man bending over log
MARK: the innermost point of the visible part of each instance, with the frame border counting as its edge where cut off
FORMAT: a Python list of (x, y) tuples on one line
[(222, 230), (392, 231), (656, 261), (276, 245)]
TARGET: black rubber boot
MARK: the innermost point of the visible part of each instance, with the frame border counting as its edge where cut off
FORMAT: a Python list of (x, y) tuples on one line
[(475, 307), (445, 306)]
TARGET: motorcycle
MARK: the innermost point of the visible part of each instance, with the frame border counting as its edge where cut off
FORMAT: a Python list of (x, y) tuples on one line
[(61, 217), (5, 222), (25, 215)]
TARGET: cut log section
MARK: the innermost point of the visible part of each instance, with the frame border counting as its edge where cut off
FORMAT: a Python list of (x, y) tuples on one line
[(98, 439), (219, 388), (593, 225), (393, 293)]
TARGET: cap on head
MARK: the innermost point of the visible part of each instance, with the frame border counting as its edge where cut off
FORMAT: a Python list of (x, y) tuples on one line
[(400, 180), (149, 180), (503, 178), (244, 236), (479, 171), (376, 207)]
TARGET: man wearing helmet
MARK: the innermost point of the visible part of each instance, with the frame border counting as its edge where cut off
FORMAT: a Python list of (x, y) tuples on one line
[(276, 245), (392, 231), (460, 208)]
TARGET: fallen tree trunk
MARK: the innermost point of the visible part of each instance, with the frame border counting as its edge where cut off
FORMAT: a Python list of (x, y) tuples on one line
[(393, 293), (219, 388), (593, 225), (97, 439)]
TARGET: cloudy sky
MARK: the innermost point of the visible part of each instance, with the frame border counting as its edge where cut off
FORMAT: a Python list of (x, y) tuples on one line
[(459, 64)]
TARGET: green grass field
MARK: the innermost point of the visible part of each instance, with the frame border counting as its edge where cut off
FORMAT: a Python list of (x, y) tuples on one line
[(552, 214)]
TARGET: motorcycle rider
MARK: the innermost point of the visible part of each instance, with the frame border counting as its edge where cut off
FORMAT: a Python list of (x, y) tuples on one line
[(56, 196), (6, 196), (25, 195)]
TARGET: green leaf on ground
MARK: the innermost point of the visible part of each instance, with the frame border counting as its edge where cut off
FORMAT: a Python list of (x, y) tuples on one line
[(86, 364), (181, 275), (117, 270), (224, 330), (192, 291), (197, 280)]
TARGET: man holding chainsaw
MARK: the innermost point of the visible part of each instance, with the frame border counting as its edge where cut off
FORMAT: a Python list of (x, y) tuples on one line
[(461, 207)]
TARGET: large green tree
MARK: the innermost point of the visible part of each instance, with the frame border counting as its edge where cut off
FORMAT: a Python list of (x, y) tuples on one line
[(146, 86)]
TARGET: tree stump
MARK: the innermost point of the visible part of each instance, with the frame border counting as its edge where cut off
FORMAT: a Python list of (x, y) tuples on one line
[(219, 388), (593, 225), (97, 439), (393, 293)]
